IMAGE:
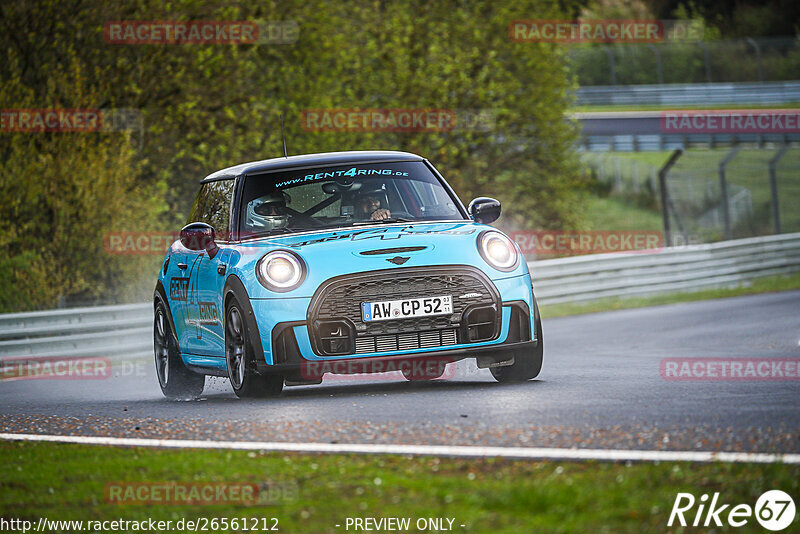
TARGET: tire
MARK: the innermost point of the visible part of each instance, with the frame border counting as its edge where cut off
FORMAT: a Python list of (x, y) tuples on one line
[(245, 380), (176, 380), (429, 370), (527, 364)]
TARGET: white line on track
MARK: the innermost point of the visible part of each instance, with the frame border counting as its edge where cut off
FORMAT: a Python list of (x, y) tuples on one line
[(528, 453)]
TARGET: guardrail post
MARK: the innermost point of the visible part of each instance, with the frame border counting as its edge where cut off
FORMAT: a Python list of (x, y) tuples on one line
[(659, 69), (610, 54), (723, 187), (662, 185), (773, 186), (706, 60), (758, 58)]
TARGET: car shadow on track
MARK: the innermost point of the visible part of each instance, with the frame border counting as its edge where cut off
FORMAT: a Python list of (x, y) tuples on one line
[(360, 390)]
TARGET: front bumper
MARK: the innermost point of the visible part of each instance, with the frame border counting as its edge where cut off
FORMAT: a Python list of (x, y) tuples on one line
[(287, 343), (311, 371)]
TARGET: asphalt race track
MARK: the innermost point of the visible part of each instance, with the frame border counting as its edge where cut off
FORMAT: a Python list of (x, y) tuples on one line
[(601, 387)]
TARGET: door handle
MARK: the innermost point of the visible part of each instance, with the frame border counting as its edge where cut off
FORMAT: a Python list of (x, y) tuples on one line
[(182, 266)]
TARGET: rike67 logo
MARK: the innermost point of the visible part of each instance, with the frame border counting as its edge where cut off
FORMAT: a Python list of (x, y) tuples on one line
[(774, 510)]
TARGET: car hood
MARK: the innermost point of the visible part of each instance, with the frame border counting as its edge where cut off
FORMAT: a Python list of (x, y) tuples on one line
[(353, 250)]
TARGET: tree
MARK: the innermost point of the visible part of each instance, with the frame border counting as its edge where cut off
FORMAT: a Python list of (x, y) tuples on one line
[(210, 106)]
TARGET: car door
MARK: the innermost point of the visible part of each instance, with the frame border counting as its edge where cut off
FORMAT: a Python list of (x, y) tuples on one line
[(207, 274), (176, 282), (207, 280)]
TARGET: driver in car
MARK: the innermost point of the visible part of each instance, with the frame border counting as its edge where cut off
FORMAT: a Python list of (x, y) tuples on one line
[(369, 206), (268, 212)]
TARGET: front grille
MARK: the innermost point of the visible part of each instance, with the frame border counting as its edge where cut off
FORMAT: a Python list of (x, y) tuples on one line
[(340, 300), (407, 341)]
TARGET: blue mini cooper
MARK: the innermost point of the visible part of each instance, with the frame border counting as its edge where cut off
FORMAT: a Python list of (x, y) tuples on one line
[(345, 262)]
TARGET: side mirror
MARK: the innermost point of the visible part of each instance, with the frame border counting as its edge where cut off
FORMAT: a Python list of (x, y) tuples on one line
[(484, 210), (199, 236)]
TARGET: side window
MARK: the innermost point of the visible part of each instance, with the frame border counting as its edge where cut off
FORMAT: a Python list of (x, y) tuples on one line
[(212, 206)]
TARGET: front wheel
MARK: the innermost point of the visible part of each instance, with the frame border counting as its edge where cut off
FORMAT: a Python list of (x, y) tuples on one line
[(176, 380), (245, 380), (527, 364)]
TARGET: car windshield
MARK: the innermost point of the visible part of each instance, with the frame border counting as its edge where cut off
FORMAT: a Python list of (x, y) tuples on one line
[(344, 195)]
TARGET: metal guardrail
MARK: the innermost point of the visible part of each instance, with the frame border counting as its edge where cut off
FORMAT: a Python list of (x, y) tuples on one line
[(96, 331), (116, 331), (674, 269), (679, 94), (642, 131)]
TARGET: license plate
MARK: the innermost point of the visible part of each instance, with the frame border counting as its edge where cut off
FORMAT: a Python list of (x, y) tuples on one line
[(403, 309)]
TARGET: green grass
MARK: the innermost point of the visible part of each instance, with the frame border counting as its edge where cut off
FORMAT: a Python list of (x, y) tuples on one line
[(656, 159), (760, 285), (61, 481), (613, 213)]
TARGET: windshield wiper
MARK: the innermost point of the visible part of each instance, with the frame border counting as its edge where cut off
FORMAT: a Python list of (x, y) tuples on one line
[(380, 221)]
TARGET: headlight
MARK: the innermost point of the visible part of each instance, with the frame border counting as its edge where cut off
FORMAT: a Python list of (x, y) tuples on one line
[(498, 250), (281, 271)]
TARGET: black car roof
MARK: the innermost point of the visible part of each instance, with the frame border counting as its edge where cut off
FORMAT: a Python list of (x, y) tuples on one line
[(311, 160)]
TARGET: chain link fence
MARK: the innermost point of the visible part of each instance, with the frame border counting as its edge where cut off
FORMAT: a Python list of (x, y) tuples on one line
[(743, 60), (762, 187)]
